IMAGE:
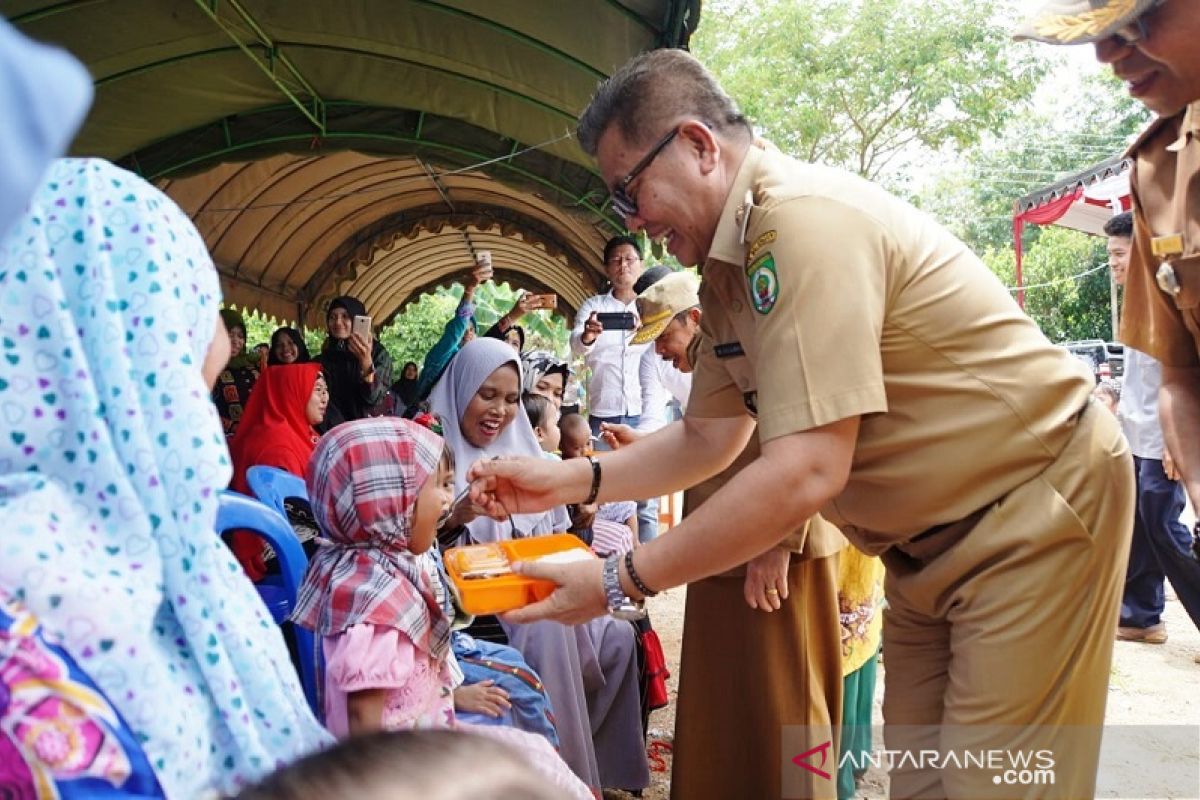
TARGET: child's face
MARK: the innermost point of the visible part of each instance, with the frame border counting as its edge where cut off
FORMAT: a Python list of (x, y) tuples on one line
[(548, 434), (1105, 398), (575, 441), (432, 501)]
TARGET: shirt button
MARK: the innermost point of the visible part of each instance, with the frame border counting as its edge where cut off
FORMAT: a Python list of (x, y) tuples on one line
[(736, 306)]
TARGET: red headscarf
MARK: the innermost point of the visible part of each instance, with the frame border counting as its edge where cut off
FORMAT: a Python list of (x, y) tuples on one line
[(274, 431)]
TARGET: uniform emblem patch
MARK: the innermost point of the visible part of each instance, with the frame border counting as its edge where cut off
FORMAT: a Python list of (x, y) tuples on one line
[(764, 283)]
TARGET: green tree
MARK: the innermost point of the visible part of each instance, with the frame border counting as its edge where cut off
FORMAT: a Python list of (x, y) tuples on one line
[(975, 200), (859, 83), (414, 331), (1068, 283)]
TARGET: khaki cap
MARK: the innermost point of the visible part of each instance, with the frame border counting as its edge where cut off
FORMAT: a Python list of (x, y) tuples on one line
[(1081, 21), (659, 304)]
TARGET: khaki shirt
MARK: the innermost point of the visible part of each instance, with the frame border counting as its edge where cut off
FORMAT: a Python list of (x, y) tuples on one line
[(1166, 201), (839, 300), (815, 539)]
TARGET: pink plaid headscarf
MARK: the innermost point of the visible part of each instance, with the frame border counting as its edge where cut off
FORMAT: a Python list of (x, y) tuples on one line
[(363, 482)]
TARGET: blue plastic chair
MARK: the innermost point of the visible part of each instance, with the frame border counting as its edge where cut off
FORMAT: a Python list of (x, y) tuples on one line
[(239, 512), (273, 485)]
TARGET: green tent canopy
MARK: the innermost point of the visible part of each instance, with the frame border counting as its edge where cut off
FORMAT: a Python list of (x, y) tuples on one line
[(363, 146)]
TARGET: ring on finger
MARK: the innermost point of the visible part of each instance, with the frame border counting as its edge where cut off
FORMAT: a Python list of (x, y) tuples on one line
[(772, 591)]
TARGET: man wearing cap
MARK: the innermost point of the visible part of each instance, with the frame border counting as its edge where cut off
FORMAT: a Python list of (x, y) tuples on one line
[(791, 654), (662, 382), (899, 391), (1154, 46)]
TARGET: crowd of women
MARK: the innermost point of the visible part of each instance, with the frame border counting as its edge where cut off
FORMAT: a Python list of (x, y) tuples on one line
[(179, 682)]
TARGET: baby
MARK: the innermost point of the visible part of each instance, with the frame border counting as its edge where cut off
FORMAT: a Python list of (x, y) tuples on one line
[(543, 417), (609, 527)]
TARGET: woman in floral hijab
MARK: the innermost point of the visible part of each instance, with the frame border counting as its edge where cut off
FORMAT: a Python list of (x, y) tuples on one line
[(110, 461)]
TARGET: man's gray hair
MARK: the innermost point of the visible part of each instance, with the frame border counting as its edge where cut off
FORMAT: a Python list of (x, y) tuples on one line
[(652, 91)]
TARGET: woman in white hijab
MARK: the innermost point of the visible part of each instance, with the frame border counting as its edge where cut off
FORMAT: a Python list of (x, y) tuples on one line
[(590, 670)]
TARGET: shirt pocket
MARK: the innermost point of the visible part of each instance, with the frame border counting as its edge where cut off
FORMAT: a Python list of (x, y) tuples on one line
[(1187, 273)]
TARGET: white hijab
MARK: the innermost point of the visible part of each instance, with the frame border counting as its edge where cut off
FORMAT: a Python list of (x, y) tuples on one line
[(468, 370)]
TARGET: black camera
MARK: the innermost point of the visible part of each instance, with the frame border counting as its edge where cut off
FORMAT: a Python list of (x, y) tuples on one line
[(616, 320)]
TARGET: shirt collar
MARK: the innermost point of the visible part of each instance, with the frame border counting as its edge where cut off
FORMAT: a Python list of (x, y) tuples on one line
[(1189, 128), (727, 244), (621, 302)]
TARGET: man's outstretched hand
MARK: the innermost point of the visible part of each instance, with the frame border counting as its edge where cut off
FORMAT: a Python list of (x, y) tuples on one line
[(526, 485), (578, 598)]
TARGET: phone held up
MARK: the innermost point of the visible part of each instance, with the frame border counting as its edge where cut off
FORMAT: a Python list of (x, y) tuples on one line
[(616, 320), (362, 326)]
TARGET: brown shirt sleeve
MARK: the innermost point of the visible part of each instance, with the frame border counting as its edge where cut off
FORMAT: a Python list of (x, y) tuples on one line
[(1150, 320), (818, 343)]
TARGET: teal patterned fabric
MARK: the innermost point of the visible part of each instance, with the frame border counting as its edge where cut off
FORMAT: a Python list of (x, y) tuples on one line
[(110, 457)]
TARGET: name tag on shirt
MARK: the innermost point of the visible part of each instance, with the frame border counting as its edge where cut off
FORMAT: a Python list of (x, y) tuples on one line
[(729, 350)]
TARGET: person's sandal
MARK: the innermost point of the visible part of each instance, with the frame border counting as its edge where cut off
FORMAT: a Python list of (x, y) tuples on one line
[(1155, 634)]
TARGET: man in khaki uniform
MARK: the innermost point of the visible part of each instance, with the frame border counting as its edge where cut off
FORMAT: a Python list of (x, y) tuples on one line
[(778, 614), (1154, 45), (899, 391)]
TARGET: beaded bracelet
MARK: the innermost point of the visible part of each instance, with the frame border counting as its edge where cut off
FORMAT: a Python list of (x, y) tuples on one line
[(591, 498), (633, 576)]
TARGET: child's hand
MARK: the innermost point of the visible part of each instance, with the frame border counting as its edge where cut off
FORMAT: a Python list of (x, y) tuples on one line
[(364, 710), (585, 515), (463, 513), (482, 698)]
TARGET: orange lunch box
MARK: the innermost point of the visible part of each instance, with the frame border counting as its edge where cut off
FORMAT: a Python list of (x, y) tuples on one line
[(483, 578)]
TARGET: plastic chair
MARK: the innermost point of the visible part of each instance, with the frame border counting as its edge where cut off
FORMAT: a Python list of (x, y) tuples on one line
[(273, 486), (239, 512)]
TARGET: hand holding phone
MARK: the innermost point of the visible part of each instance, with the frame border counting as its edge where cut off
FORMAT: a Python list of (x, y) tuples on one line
[(549, 301), (362, 327), (617, 320)]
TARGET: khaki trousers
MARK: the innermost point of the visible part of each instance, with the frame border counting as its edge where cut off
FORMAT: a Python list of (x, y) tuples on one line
[(1004, 640), (745, 674)]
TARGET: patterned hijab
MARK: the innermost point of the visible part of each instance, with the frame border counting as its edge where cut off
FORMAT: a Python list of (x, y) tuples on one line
[(537, 364), (363, 483), (110, 458), (466, 373)]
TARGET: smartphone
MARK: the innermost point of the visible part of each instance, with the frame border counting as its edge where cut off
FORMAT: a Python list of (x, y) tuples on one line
[(549, 301), (362, 326), (616, 320)]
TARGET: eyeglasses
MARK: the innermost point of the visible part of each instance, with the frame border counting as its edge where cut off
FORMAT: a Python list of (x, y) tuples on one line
[(617, 261), (1132, 33), (1137, 30), (622, 203)]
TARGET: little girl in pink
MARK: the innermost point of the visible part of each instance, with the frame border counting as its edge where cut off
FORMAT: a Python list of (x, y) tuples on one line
[(378, 487)]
